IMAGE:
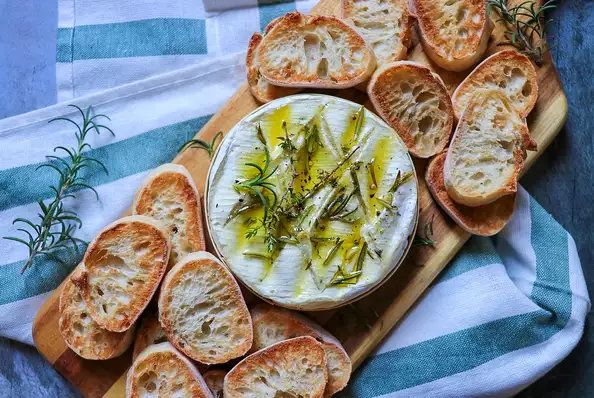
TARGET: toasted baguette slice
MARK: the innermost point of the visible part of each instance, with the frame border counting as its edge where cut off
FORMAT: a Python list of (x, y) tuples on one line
[(291, 368), (203, 312), (314, 51), (122, 269), (149, 332), (484, 220), (169, 195), (487, 153), (259, 87), (453, 33), (383, 24), (415, 102), (162, 371), (215, 380), (273, 324), (82, 334), (507, 70)]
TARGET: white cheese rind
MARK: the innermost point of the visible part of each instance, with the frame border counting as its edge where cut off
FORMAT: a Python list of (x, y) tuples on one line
[(286, 282)]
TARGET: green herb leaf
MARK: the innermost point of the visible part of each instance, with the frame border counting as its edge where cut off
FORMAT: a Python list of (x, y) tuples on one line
[(201, 144)]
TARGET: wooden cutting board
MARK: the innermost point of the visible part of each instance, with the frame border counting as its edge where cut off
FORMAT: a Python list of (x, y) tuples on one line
[(360, 326)]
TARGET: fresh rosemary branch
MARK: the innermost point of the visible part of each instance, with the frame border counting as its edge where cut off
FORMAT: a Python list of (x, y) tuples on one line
[(426, 240), (526, 25), (201, 144), (57, 225)]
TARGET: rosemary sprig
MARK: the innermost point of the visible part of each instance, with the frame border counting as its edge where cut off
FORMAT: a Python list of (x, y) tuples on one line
[(57, 225), (259, 184), (526, 25), (428, 230), (202, 144)]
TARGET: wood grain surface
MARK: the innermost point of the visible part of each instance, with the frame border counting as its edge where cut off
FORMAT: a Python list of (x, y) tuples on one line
[(360, 326)]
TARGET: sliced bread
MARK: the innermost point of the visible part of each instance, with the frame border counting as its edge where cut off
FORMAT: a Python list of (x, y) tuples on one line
[(202, 310), (122, 269), (486, 220), (453, 33), (384, 24), (82, 334), (415, 102), (314, 51), (215, 380), (162, 371), (274, 324), (149, 332), (291, 368), (487, 152), (169, 195), (259, 87), (508, 71)]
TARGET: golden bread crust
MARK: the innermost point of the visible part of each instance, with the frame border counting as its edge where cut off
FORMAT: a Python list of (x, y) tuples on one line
[(486, 220), (278, 359), (429, 100), (82, 334), (162, 370), (173, 184), (509, 70), (236, 321), (280, 63), (133, 249), (261, 89), (454, 34)]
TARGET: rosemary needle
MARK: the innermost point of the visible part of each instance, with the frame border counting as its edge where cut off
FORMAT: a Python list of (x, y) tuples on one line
[(202, 144)]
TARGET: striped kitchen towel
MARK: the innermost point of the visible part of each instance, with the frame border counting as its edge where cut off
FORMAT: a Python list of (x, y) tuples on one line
[(504, 312), (106, 43)]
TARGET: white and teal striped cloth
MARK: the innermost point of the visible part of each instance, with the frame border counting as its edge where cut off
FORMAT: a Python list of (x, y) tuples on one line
[(502, 314)]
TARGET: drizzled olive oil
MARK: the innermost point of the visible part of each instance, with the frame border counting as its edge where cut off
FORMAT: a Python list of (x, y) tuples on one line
[(301, 241)]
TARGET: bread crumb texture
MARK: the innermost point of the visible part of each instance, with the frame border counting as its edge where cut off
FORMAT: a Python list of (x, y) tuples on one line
[(202, 311), (169, 195), (508, 71), (314, 51), (384, 25), (487, 152), (161, 371), (416, 104), (291, 368), (82, 334), (122, 269)]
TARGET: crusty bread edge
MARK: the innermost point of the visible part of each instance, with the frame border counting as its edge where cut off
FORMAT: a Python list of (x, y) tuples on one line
[(80, 278), (122, 346), (431, 185), (166, 286), (296, 340), (163, 347), (323, 84), (512, 185), (404, 133), (459, 64), (327, 338), (531, 74), (179, 169)]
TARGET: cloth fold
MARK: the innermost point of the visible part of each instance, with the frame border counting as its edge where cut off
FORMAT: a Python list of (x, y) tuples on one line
[(503, 313)]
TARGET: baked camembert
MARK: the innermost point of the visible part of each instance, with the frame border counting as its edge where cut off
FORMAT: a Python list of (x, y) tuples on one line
[(311, 201)]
